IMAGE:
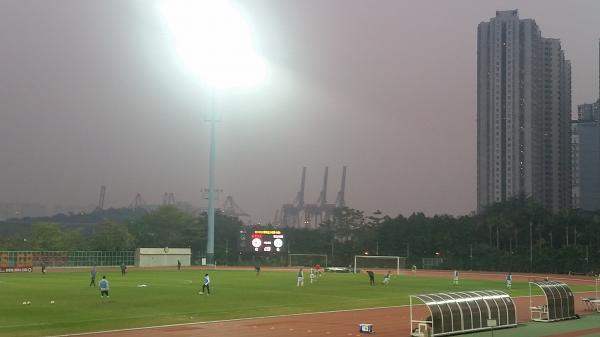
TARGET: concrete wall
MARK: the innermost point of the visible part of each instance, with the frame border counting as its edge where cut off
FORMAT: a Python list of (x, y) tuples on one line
[(162, 257)]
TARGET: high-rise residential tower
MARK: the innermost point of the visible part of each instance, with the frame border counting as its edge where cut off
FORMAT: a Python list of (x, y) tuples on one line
[(523, 114), (586, 154)]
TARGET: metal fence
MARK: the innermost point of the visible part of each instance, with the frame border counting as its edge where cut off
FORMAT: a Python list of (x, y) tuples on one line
[(432, 262), (66, 258)]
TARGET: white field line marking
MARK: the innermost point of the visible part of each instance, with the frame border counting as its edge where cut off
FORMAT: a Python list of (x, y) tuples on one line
[(501, 275), (251, 318)]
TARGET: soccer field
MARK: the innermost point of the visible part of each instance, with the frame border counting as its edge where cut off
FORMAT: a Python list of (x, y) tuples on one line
[(171, 296)]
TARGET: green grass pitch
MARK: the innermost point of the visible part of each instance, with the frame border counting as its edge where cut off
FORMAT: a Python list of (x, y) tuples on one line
[(171, 297)]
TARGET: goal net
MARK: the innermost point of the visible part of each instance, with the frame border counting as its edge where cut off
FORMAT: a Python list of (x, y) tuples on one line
[(307, 260), (379, 262)]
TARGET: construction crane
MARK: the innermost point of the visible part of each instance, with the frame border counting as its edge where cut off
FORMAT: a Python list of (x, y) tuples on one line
[(312, 213), (299, 202), (323, 196), (138, 202), (290, 213), (101, 200), (232, 209), (168, 199), (340, 201)]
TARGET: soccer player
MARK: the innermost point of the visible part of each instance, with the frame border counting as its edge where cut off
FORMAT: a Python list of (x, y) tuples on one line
[(371, 278), (300, 280), (93, 276), (318, 269), (455, 277), (509, 281), (312, 275), (257, 269), (123, 269), (178, 265), (104, 287), (414, 269), (206, 284), (386, 278), (43, 268)]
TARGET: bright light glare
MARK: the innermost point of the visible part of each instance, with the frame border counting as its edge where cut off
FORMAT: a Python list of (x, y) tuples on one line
[(214, 41)]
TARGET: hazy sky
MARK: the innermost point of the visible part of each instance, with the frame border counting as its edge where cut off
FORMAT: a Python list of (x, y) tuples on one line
[(91, 93)]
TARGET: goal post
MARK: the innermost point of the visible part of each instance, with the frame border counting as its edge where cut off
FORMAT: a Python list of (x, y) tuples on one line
[(380, 262), (306, 260)]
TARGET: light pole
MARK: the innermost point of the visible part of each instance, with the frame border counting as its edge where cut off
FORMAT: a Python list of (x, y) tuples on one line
[(530, 246), (210, 238), (214, 42)]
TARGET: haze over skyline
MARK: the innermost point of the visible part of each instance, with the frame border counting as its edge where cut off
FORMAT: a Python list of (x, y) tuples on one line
[(92, 94)]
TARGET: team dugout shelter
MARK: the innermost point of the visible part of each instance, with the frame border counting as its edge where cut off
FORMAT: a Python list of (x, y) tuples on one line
[(462, 312), (162, 257), (559, 301)]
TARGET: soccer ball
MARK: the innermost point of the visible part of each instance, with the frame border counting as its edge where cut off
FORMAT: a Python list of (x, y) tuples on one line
[(24, 302), (51, 302)]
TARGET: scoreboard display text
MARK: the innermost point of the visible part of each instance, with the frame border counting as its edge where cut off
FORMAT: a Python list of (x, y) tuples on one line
[(267, 241)]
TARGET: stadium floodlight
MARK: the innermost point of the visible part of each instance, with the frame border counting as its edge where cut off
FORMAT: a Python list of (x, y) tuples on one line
[(214, 42)]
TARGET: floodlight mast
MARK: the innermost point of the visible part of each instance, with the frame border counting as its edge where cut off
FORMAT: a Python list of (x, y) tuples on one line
[(210, 238), (214, 42)]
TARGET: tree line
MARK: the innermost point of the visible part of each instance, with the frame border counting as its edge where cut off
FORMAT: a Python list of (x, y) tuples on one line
[(120, 230), (515, 235)]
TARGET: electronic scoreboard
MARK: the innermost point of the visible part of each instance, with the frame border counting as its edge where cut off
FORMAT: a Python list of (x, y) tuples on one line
[(268, 241)]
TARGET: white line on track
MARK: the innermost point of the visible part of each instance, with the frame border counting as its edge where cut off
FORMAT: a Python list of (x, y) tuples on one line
[(226, 320), (247, 318)]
